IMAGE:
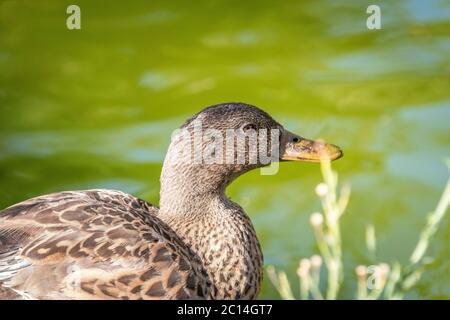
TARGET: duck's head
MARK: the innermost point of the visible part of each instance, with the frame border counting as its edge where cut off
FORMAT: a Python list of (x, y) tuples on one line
[(223, 141), (218, 123)]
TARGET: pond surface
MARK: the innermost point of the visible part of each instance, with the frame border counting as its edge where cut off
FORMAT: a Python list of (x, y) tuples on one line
[(94, 108)]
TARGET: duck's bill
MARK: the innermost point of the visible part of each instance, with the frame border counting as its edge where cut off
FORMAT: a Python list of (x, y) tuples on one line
[(296, 148)]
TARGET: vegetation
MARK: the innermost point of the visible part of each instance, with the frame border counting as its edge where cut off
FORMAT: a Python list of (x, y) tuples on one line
[(379, 281)]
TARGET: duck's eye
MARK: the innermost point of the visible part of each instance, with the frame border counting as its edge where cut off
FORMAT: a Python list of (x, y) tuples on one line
[(248, 126), (295, 140)]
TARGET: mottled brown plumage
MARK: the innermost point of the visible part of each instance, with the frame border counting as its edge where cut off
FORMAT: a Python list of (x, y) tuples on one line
[(105, 244), (95, 244)]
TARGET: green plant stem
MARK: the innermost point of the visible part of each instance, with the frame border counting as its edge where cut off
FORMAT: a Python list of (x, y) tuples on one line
[(394, 277), (432, 224), (315, 291), (332, 212)]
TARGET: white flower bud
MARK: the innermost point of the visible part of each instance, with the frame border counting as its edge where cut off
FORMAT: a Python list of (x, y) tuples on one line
[(321, 189), (316, 219), (361, 271), (384, 268), (303, 268), (316, 261)]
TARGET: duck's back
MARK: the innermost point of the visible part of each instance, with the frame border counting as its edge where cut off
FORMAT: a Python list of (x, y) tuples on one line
[(94, 244)]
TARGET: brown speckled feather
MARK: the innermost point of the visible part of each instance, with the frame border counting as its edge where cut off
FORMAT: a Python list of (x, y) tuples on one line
[(95, 244)]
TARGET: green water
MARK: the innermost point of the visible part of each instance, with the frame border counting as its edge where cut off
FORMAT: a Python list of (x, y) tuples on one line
[(94, 108)]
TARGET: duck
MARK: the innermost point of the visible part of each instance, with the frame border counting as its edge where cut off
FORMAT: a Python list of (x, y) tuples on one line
[(199, 244)]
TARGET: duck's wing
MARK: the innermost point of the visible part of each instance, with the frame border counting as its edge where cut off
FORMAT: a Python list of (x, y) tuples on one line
[(95, 244)]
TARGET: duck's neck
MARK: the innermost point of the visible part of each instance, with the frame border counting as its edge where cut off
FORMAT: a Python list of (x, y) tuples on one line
[(193, 203)]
